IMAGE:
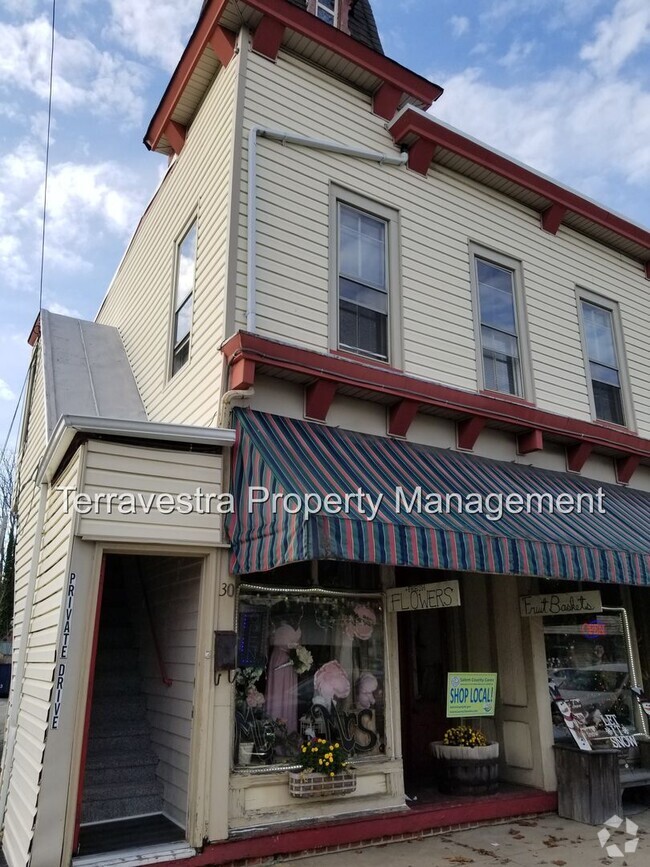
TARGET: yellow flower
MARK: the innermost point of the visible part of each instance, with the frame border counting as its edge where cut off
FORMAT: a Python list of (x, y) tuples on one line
[(304, 749), (332, 774), (331, 747), (320, 761), (336, 746)]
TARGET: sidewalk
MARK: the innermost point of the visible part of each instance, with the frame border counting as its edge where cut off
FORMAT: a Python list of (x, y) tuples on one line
[(545, 840)]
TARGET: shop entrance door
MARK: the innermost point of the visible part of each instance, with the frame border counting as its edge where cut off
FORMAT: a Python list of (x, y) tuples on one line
[(425, 658)]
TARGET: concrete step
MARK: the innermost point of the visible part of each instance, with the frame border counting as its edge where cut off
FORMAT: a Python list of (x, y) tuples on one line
[(112, 743), (112, 778), (120, 759), (117, 709), (111, 792), (120, 808), (108, 728)]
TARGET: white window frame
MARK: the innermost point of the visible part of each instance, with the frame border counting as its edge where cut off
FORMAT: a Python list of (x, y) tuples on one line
[(502, 260), (171, 373), (339, 195), (334, 12), (627, 403)]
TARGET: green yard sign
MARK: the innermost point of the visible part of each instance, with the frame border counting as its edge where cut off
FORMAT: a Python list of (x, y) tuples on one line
[(470, 694)]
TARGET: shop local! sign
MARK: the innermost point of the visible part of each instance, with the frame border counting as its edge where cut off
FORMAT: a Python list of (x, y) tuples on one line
[(579, 602), (424, 597), (471, 694)]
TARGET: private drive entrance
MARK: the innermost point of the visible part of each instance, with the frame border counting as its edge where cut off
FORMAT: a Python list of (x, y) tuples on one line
[(136, 751)]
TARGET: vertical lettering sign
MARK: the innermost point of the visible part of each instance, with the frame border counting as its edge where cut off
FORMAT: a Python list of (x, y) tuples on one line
[(62, 659)]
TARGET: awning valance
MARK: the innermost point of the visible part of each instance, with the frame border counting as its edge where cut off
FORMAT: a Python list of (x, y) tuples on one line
[(536, 534)]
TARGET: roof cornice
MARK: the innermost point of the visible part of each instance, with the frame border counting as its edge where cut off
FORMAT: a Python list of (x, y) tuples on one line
[(394, 77), (425, 135)]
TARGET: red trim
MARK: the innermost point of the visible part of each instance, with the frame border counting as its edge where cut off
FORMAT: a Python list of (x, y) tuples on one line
[(531, 441), (647, 270), (318, 399), (626, 467), (421, 156), (300, 21), (364, 359), (386, 100), (89, 705), (552, 217), (242, 374), (504, 395), (577, 456), (35, 333), (385, 828), (413, 123), (468, 431), (182, 74), (387, 381), (268, 37), (401, 417), (175, 134), (223, 43)]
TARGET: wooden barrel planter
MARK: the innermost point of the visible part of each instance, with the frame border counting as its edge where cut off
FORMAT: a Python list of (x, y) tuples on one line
[(466, 770)]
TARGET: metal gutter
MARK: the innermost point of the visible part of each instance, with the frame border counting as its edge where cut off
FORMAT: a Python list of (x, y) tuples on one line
[(69, 426)]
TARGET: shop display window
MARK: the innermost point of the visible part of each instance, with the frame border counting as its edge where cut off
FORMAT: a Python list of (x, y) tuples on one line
[(310, 663), (589, 665)]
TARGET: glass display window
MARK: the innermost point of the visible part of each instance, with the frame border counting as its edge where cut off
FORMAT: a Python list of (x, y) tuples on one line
[(311, 663), (589, 666)]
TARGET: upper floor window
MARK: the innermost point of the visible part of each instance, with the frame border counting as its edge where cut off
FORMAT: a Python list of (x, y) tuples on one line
[(363, 282), (183, 298), (497, 292), (599, 328), (327, 10)]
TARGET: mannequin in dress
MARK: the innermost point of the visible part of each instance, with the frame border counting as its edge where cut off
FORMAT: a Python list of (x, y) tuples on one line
[(282, 680)]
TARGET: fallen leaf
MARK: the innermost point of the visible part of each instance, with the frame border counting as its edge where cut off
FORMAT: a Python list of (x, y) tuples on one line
[(558, 863), (460, 859)]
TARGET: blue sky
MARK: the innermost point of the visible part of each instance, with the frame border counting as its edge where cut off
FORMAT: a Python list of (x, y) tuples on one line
[(560, 84)]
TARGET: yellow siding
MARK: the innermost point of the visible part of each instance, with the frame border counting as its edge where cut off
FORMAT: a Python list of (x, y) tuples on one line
[(440, 216), (53, 557), (112, 468), (139, 301)]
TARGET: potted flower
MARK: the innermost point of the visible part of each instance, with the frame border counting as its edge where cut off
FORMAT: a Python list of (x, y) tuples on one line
[(467, 763), (325, 771)]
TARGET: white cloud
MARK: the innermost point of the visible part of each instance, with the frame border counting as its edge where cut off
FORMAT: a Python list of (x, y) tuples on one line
[(154, 29), (84, 76), (86, 203), (516, 54), (62, 310), (5, 392), (459, 24), (619, 36), (569, 125)]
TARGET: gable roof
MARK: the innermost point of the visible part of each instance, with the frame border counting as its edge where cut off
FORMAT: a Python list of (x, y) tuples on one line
[(86, 371)]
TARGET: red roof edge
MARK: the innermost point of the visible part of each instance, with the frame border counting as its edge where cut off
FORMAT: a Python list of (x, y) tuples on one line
[(412, 122), (302, 22)]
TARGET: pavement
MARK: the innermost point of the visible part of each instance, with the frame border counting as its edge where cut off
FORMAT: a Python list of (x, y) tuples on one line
[(543, 840)]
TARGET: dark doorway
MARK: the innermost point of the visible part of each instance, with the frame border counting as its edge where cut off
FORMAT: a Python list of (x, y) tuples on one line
[(424, 652)]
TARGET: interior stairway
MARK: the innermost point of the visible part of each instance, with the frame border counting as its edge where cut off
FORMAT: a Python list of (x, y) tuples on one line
[(120, 779)]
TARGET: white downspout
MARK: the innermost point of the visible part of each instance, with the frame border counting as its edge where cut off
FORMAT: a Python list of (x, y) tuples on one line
[(16, 694), (302, 141)]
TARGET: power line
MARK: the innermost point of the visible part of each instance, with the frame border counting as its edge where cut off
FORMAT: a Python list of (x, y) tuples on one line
[(47, 158), (13, 418)]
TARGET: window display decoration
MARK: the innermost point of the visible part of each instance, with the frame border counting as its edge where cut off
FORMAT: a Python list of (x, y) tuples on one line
[(318, 674)]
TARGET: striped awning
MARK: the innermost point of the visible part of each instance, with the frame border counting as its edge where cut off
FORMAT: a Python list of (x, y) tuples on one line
[(284, 456)]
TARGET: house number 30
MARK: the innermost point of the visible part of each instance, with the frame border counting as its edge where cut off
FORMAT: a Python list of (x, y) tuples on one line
[(227, 589)]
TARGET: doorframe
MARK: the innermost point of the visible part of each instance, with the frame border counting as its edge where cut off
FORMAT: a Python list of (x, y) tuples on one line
[(197, 783), (90, 683)]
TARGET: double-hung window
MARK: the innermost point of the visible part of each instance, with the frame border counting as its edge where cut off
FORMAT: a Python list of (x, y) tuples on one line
[(599, 328), (183, 298), (327, 10), (498, 324), (363, 290)]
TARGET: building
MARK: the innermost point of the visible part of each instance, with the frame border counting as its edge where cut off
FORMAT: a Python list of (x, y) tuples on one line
[(331, 290)]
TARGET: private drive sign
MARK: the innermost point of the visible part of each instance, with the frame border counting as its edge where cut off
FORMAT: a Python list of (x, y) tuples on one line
[(471, 694), (424, 597)]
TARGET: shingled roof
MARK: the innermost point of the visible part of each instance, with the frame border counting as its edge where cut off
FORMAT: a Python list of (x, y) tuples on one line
[(361, 23)]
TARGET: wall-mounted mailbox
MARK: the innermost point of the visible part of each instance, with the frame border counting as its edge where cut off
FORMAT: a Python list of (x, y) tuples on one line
[(225, 653)]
